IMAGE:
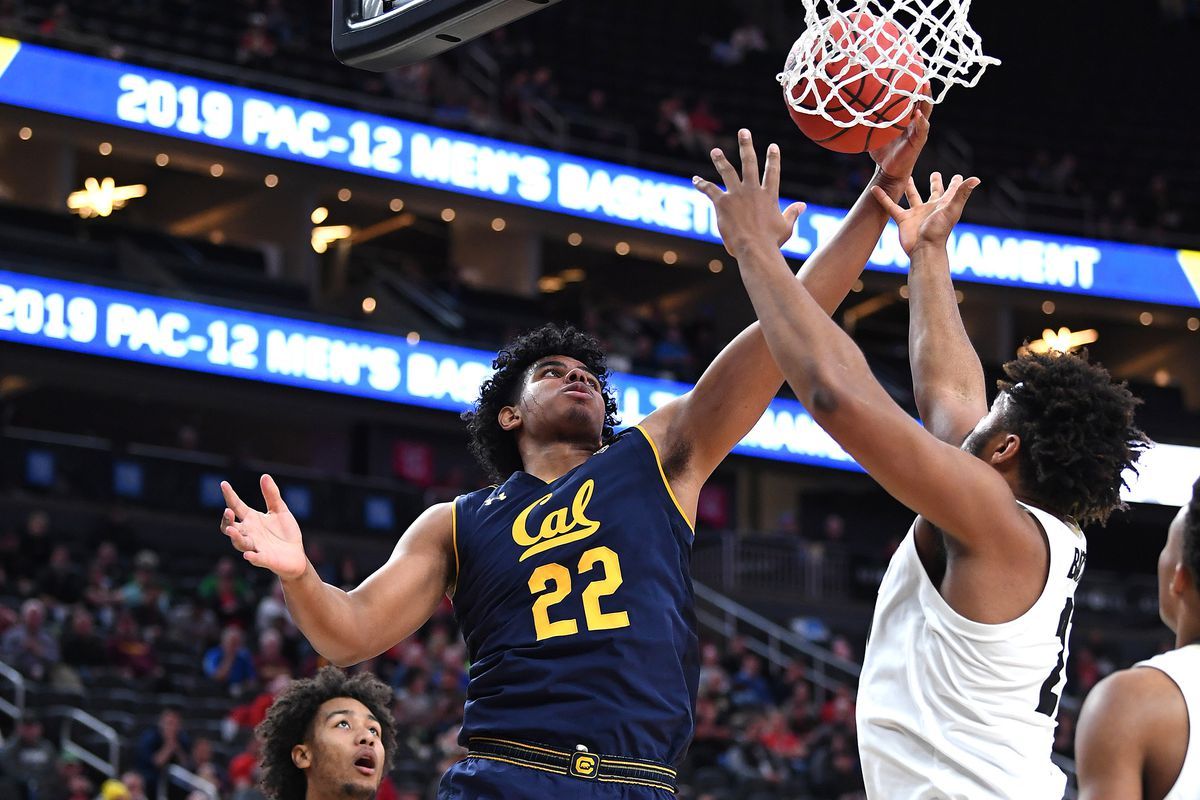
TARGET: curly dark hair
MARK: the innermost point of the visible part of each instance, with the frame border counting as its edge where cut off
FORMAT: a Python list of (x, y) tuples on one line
[(289, 722), (1077, 432), (496, 449), (1191, 533)]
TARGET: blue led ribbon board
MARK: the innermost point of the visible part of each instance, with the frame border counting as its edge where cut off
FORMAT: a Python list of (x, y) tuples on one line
[(100, 90), (131, 326)]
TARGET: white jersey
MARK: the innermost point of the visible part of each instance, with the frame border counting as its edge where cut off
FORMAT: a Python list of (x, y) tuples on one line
[(1183, 667), (952, 708)]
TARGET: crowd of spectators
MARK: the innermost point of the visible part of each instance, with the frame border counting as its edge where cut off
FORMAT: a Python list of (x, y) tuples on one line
[(651, 341), (96, 614)]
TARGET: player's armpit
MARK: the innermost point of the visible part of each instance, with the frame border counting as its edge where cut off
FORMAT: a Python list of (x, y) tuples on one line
[(402, 595), (696, 431), (1110, 737)]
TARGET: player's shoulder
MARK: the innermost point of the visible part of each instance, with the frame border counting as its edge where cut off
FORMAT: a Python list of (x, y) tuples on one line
[(634, 433), (1135, 697), (436, 517), (477, 497)]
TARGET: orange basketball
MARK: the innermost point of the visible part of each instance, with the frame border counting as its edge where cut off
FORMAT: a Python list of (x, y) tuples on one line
[(861, 89)]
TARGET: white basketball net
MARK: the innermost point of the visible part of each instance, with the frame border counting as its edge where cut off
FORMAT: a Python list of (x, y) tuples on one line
[(838, 44)]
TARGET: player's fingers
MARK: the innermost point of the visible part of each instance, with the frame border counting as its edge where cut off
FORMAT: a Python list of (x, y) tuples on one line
[(254, 558), (239, 538), (226, 519), (911, 192), (748, 156), (957, 193), (962, 190), (708, 188), (724, 168), (952, 188), (918, 129), (926, 109), (935, 185), (793, 212), (234, 502), (771, 173), (888, 203), (270, 493)]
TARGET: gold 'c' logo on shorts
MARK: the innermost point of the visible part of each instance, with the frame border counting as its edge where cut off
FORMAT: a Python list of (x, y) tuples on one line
[(583, 765)]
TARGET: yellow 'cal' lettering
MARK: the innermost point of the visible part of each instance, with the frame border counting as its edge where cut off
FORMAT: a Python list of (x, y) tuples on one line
[(561, 526), (554, 524)]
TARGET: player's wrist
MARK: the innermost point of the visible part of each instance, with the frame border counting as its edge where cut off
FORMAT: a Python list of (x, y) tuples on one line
[(925, 248), (289, 578), (890, 183), (752, 249)]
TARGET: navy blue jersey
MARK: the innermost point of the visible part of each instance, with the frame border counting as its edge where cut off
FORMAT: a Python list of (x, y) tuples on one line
[(575, 600)]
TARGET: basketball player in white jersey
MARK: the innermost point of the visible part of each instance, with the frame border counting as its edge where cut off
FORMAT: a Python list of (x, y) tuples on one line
[(1139, 731), (965, 662)]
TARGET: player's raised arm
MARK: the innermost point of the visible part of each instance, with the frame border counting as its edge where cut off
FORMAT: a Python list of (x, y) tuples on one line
[(947, 376), (831, 377), (731, 395), (347, 627)]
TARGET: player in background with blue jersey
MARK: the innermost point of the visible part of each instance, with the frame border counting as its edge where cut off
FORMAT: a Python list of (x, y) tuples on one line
[(570, 577)]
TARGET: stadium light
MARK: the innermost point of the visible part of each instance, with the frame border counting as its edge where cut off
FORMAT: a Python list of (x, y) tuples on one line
[(1064, 341), (325, 235), (101, 198)]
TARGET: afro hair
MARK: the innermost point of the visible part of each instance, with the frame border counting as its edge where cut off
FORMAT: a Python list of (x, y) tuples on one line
[(1077, 432), (290, 718), (495, 448)]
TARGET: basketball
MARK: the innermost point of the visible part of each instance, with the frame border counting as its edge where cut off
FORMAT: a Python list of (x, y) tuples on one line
[(851, 87)]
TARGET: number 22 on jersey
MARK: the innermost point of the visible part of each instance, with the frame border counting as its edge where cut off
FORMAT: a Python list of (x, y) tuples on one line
[(559, 577)]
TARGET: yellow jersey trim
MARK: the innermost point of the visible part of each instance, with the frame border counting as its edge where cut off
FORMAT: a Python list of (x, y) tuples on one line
[(522, 745), (666, 483), (454, 539), (516, 761), (527, 764), (565, 754), (652, 784), (641, 765)]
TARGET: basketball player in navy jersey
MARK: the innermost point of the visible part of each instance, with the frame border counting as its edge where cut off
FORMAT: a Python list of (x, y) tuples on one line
[(570, 577), (965, 663), (1139, 731)]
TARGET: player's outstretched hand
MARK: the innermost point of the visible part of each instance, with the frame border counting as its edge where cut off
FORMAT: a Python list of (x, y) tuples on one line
[(928, 221), (271, 540), (748, 212), (897, 158)]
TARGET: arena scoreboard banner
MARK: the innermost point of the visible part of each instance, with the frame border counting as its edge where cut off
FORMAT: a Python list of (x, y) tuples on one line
[(105, 91), (208, 338), (164, 331)]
